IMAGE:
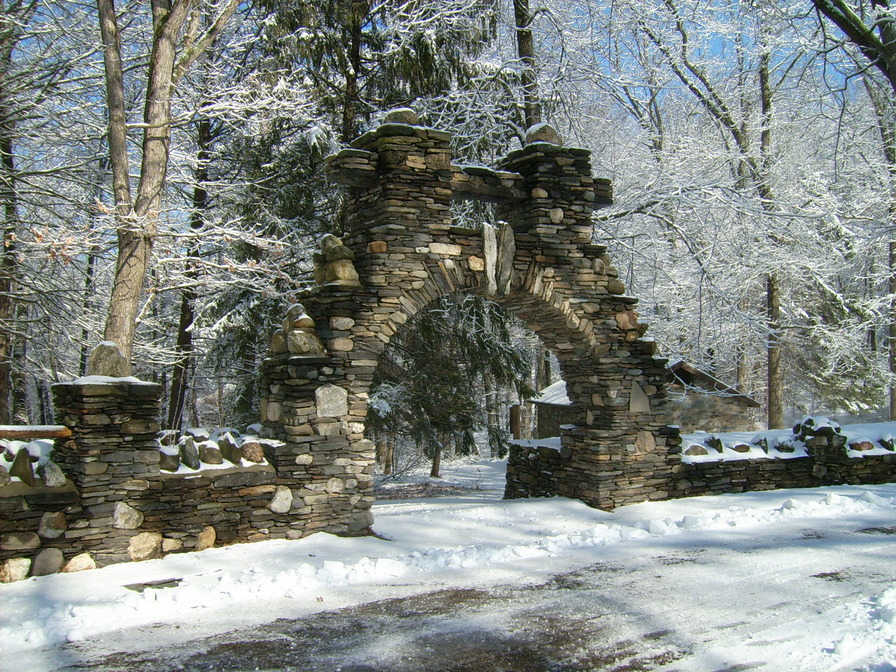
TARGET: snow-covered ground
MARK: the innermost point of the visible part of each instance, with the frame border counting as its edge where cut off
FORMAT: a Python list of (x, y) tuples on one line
[(797, 579)]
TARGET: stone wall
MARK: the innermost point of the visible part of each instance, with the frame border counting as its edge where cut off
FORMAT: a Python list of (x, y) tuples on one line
[(533, 471), (115, 504), (401, 251)]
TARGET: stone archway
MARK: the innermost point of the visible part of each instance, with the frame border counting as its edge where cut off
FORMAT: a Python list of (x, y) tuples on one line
[(402, 251)]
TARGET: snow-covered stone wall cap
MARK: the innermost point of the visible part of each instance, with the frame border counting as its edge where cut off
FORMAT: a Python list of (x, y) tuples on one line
[(99, 386), (402, 115), (543, 133)]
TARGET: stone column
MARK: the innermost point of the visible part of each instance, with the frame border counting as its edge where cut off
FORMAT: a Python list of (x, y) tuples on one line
[(562, 194), (616, 451), (113, 459), (316, 403)]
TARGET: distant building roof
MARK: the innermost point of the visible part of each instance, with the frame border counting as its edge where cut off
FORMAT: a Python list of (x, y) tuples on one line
[(690, 376), (686, 374), (554, 394)]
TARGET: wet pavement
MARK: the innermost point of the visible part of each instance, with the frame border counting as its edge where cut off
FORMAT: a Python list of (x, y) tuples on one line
[(565, 625)]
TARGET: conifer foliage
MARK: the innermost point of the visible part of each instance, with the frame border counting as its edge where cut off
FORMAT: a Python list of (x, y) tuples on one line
[(431, 379)]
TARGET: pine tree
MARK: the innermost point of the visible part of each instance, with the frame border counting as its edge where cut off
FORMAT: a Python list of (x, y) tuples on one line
[(431, 381)]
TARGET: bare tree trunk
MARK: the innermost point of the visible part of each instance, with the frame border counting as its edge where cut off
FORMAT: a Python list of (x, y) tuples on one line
[(773, 287), (357, 13), (184, 346), (87, 305), (437, 458), (542, 369), (384, 452), (8, 267), (136, 218), (526, 51), (9, 198), (516, 421), (775, 371), (891, 327)]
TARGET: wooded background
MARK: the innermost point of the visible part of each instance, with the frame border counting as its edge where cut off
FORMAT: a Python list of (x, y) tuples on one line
[(161, 186)]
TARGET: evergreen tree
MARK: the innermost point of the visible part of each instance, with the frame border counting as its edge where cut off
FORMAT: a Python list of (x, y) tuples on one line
[(431, 381)]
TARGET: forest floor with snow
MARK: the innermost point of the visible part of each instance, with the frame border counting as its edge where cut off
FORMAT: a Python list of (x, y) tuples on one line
[(459, 579)]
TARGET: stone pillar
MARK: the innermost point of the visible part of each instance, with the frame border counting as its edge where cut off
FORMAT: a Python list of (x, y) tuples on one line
[(405, 207), (399, 229), (616, 451), (561, 195), (113, 459), (324, 459)]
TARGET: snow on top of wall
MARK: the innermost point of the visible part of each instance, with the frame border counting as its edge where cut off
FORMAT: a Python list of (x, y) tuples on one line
[(110, 380), (862, 440), (553, 443)]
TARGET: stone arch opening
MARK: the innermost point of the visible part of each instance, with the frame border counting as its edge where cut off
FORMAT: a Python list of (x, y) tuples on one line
[(403, 251), (444, 346)]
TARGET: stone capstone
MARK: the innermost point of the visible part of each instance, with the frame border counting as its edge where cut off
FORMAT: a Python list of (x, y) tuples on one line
[(229, 449), (51, 474), (145, 546), (189, 453), (22, 467), (210, 454), (107, 359), (297, 318), (861, 446), (543, 133), (169, 461), (334, 264), (253, 451), (402, 115), (278, 342)]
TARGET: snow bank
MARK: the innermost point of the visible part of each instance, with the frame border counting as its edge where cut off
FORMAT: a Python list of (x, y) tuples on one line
[(475, 536)]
